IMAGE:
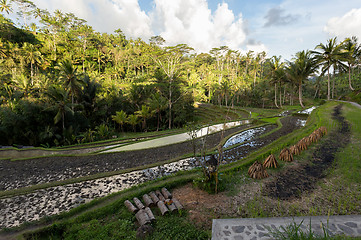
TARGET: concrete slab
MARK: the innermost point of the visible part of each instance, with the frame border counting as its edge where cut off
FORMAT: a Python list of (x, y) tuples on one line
[(259, 228)]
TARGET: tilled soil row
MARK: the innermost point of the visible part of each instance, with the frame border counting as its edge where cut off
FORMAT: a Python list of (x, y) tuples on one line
[(294, 181)]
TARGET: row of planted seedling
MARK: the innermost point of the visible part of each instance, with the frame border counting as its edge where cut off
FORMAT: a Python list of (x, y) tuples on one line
[(258, 170)]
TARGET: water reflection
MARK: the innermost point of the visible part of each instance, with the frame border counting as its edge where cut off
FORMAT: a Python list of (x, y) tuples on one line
[(246, 135)]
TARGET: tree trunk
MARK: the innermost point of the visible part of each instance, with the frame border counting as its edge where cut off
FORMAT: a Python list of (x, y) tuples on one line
[(276, 95), (147, 200), (142, 217), (162, 207), (170, 104), (130, 206), (166, 193), (328, 85), (280, 97), (160, 195), (300, 94), (349, 77), (138, 203), (150, 214), (177, 203), (154, 197), (31, 72)]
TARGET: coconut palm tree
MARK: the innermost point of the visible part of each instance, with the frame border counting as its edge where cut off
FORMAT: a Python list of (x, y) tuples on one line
[(5, 6), (158, 104), (120, 118), (133, 120), (31, 55), (276, 72), (352, 51), (300, 69), (326, 57), (144, 113), (60, 100), (70, 78)]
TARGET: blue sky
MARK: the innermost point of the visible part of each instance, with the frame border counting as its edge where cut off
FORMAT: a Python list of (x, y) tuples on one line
[(279, 27)]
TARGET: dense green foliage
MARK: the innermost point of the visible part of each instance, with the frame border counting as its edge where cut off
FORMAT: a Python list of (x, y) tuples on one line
[(63, 83)]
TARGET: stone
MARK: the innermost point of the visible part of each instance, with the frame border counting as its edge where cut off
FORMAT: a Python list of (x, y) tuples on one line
[(345, 229), (351, 224), (238, 229), (259, 227), (227, 233), (238, 237), (261, 235)]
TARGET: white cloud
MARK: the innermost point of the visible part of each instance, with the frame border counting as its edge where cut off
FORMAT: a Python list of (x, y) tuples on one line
[(106, 15), (346, 26), (192, 22)]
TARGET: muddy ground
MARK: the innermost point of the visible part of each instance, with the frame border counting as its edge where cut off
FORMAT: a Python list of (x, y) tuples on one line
[(22, 173)]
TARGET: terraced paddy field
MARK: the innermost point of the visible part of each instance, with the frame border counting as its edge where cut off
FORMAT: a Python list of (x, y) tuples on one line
[(89, 184)]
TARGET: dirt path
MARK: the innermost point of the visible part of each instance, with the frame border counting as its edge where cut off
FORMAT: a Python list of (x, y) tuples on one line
[(303, 177)]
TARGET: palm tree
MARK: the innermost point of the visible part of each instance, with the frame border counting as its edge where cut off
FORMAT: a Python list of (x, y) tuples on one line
[(144, 113), (326, 57), (31, 55), (302, 67), (133, 120), (70, 78), (158, 104), (60, 100), (120, 118), (5, 6), (276, 72), (352, 50)]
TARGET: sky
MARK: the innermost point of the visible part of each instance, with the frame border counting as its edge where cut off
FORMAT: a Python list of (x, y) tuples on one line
[(278, 27)]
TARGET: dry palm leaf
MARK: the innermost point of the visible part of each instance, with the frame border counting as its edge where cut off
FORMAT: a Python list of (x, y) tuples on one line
[(302, 145), (313, 137), (295, 150), (286, 155), (323, 130), (270, 162), (257, 171)]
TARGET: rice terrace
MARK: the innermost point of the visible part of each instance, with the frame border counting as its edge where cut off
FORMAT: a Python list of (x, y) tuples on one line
[(198, 132)]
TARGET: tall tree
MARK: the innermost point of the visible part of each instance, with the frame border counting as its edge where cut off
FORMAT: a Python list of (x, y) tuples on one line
[(120, 118), (60, 102), (300, 69), (276, 73), (70, 78), (326, 57), (352, 52), (31, 55), (170, 60), (144, 113)]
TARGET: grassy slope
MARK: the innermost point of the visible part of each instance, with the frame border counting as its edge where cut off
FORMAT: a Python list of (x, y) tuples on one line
[(338, 193)]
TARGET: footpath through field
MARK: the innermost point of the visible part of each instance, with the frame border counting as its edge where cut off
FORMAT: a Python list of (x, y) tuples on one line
[(177, 138), (260, 228)]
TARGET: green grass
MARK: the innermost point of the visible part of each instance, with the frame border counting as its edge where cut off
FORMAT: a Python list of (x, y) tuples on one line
[(293, 231), (349, 160)]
